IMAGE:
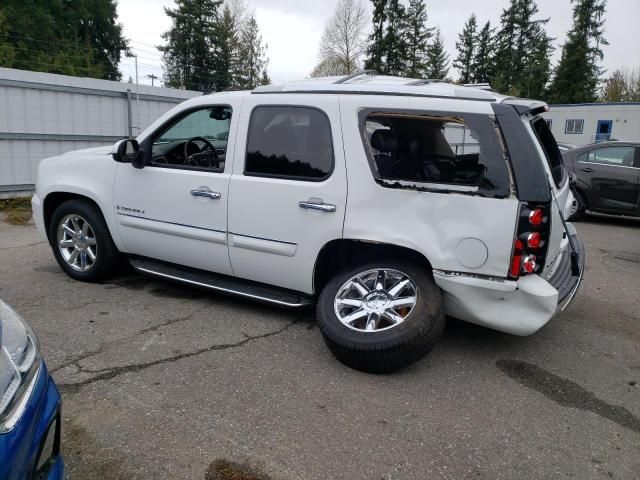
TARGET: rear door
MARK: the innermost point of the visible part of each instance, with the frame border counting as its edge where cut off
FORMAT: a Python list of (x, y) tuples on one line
[(611, 176), (288, 190)]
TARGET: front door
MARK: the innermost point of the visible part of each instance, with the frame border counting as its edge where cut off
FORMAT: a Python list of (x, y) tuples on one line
[(603, 130), (175, 209), (612, 177), (288, 190)]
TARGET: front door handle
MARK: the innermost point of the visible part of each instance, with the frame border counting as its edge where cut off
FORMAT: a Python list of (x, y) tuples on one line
[(317, 205), (201, 192), (587, 169)]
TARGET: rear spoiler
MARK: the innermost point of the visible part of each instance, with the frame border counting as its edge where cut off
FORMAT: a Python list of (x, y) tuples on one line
[(529, 175), (524, 106)]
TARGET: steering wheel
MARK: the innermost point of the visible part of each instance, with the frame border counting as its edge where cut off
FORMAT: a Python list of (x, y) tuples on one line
[(203, 157)]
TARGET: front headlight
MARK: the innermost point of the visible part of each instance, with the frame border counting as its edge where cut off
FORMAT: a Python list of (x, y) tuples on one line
[(19, 362)]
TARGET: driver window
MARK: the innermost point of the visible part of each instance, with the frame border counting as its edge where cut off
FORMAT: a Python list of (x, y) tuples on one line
[(195, 141)]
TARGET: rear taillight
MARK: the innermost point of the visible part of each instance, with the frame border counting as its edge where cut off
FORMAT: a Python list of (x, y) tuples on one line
[(516, 259), (529, 247), (533, 240), (529, 264), (536, 217)]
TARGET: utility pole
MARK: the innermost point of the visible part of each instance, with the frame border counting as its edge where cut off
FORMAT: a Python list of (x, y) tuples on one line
[(152, 77), (137, 95)]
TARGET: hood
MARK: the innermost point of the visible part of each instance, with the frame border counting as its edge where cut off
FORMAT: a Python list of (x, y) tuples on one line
[(104, 150)]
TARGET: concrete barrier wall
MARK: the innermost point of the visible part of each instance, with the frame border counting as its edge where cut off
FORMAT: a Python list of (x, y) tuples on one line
[(42, 115)]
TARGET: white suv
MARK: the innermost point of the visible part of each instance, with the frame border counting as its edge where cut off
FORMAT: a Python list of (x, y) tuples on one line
[(389, 202)]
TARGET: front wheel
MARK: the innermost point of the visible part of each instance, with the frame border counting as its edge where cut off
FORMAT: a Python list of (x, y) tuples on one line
[(382, 316), (81, 241)]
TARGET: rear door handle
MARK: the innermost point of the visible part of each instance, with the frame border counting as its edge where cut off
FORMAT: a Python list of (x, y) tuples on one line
[(587, 169), (315, 205), (202, 192)]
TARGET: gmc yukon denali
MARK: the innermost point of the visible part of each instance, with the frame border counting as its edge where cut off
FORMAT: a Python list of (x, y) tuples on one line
[(387, 202)]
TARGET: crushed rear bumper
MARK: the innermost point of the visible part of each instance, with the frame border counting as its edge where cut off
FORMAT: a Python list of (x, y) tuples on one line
[(519, 307)]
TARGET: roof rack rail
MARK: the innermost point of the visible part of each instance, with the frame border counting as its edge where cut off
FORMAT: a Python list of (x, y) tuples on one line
[(481, 86), (425, 81), (356, 74)]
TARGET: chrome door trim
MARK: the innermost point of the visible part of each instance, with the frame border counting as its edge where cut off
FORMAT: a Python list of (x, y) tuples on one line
[(174, 229), (607, 165), (265, 245)]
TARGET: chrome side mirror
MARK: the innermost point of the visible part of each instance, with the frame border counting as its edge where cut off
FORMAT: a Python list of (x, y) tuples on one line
[(127, 151)]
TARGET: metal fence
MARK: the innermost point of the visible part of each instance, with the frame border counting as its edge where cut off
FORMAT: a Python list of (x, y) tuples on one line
[(42, 115)]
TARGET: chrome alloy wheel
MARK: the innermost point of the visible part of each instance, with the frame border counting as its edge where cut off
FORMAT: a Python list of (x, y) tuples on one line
[(77, 242), (574, 208), (375, 300)]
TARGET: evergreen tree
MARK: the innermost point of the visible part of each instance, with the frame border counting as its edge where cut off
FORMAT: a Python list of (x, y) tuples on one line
[(466, 46), (80, 38), (437, 64), (417, 36), (189, 56), (375, 51), (523, 50), (505, 42), (226, 49), (252, 56), (387, 51), (537, 73), (576, 77), (395, 45), (483, 68)]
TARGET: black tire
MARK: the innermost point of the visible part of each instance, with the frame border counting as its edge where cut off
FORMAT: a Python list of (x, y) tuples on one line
[(386, 350), (581, 211), (107, 255)]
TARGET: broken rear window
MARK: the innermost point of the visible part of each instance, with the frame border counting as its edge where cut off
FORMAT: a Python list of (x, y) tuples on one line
[(436, 148)]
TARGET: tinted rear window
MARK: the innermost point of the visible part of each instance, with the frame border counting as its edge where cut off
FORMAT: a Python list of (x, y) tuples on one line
[(289, 142)]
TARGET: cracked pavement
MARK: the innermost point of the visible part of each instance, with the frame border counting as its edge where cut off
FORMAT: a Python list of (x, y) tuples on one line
[(159, 381)]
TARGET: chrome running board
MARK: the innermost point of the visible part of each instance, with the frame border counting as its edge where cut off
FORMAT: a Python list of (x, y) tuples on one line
[(222, 283)]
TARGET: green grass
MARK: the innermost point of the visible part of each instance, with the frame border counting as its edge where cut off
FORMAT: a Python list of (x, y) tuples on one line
[(17, 210)]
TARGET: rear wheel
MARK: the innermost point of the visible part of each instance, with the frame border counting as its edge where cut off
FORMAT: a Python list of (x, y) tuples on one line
[(81, 241), (579, 208), (381, 316)]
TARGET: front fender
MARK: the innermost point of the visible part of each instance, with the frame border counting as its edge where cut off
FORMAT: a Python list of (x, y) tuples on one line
[(87, 175)]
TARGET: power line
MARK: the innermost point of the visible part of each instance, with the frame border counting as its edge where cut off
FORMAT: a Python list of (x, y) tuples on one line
[(61, 67), (70, 45)]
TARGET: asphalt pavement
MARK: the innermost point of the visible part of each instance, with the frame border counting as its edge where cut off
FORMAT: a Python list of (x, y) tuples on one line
[(160, 381)]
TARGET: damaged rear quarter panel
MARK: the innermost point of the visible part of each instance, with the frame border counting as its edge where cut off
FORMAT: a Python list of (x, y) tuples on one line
[(430, 222)]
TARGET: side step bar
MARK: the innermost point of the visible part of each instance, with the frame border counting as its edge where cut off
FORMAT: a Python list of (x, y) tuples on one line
[(222, 283)]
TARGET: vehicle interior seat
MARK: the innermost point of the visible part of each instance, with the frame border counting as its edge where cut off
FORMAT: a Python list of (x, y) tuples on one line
[(386, 143)]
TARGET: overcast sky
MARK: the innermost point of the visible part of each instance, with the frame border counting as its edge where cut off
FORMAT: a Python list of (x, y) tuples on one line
[(292, 30)]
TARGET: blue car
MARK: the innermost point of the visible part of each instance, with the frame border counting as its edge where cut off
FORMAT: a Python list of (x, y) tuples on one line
[(29, 406)]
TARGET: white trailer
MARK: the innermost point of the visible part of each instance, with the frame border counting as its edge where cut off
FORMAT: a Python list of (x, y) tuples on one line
[(582, 124)]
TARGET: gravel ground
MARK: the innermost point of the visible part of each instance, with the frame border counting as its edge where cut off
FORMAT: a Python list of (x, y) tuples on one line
[(160, 381)]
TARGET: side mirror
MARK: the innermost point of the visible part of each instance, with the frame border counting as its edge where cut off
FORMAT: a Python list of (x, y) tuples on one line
[(127, 151)]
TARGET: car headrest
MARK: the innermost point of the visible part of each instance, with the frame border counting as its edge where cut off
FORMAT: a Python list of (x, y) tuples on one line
[(384, 141)]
